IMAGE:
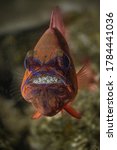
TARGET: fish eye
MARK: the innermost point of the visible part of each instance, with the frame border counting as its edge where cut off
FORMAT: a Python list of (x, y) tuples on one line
[(64, 62), (30, 62)]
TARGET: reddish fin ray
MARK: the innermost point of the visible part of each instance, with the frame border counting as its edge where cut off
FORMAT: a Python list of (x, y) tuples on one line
[(72, 112), (56, 21), (87, 78), (36, 115)]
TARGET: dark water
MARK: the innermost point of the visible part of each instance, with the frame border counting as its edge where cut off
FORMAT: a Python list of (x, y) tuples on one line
[(21, 25)]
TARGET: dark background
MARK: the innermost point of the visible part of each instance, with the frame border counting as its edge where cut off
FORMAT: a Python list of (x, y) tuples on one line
[(22, 22)]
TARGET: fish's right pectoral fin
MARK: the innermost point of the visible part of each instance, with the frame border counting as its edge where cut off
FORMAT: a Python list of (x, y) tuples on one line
[(36, 115)]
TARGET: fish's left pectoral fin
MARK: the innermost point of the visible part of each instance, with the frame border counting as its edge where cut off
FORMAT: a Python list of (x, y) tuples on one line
[(87, 78), (36, 115), (72, 112)]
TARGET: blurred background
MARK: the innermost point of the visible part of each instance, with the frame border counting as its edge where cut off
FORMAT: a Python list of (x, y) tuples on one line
[(22, 22)]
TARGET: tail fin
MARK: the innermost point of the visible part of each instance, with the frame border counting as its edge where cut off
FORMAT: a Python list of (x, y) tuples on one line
[(56, 21)]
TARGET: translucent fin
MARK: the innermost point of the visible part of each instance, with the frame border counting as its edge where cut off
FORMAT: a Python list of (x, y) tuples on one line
[(87, 78), (56, 21), (14, 91), (36, 115), (72, 112)]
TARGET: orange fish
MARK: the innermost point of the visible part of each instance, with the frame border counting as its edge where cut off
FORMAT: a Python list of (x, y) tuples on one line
[(50, 81)]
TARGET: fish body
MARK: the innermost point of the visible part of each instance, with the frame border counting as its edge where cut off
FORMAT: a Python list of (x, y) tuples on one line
[(50, 81)]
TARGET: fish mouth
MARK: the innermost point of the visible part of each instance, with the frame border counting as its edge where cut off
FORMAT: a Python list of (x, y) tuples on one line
[(46, 79), (44, 86), (41, 78)]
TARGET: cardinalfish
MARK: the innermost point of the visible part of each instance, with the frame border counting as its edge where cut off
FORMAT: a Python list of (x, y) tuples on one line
[(50, 82)]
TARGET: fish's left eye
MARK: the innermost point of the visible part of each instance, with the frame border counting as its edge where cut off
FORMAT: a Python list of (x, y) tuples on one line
[(64, 62)]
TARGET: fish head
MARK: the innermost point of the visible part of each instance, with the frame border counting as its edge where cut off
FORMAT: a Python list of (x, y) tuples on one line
[(46, 83)]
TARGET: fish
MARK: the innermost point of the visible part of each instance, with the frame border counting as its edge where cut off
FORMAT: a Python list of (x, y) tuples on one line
[(50, 81)]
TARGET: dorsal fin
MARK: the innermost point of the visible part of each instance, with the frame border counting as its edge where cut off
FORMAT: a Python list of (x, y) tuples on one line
[(56, 21)]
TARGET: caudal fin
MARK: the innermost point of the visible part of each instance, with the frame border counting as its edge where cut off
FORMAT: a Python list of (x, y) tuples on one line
[(56, 21)]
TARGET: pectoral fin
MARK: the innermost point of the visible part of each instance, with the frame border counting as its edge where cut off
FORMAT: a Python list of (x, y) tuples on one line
[(72, 112), (36, 115), (86, 78)]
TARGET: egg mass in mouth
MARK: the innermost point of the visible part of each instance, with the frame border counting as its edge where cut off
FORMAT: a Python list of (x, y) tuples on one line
[(46, 80)]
